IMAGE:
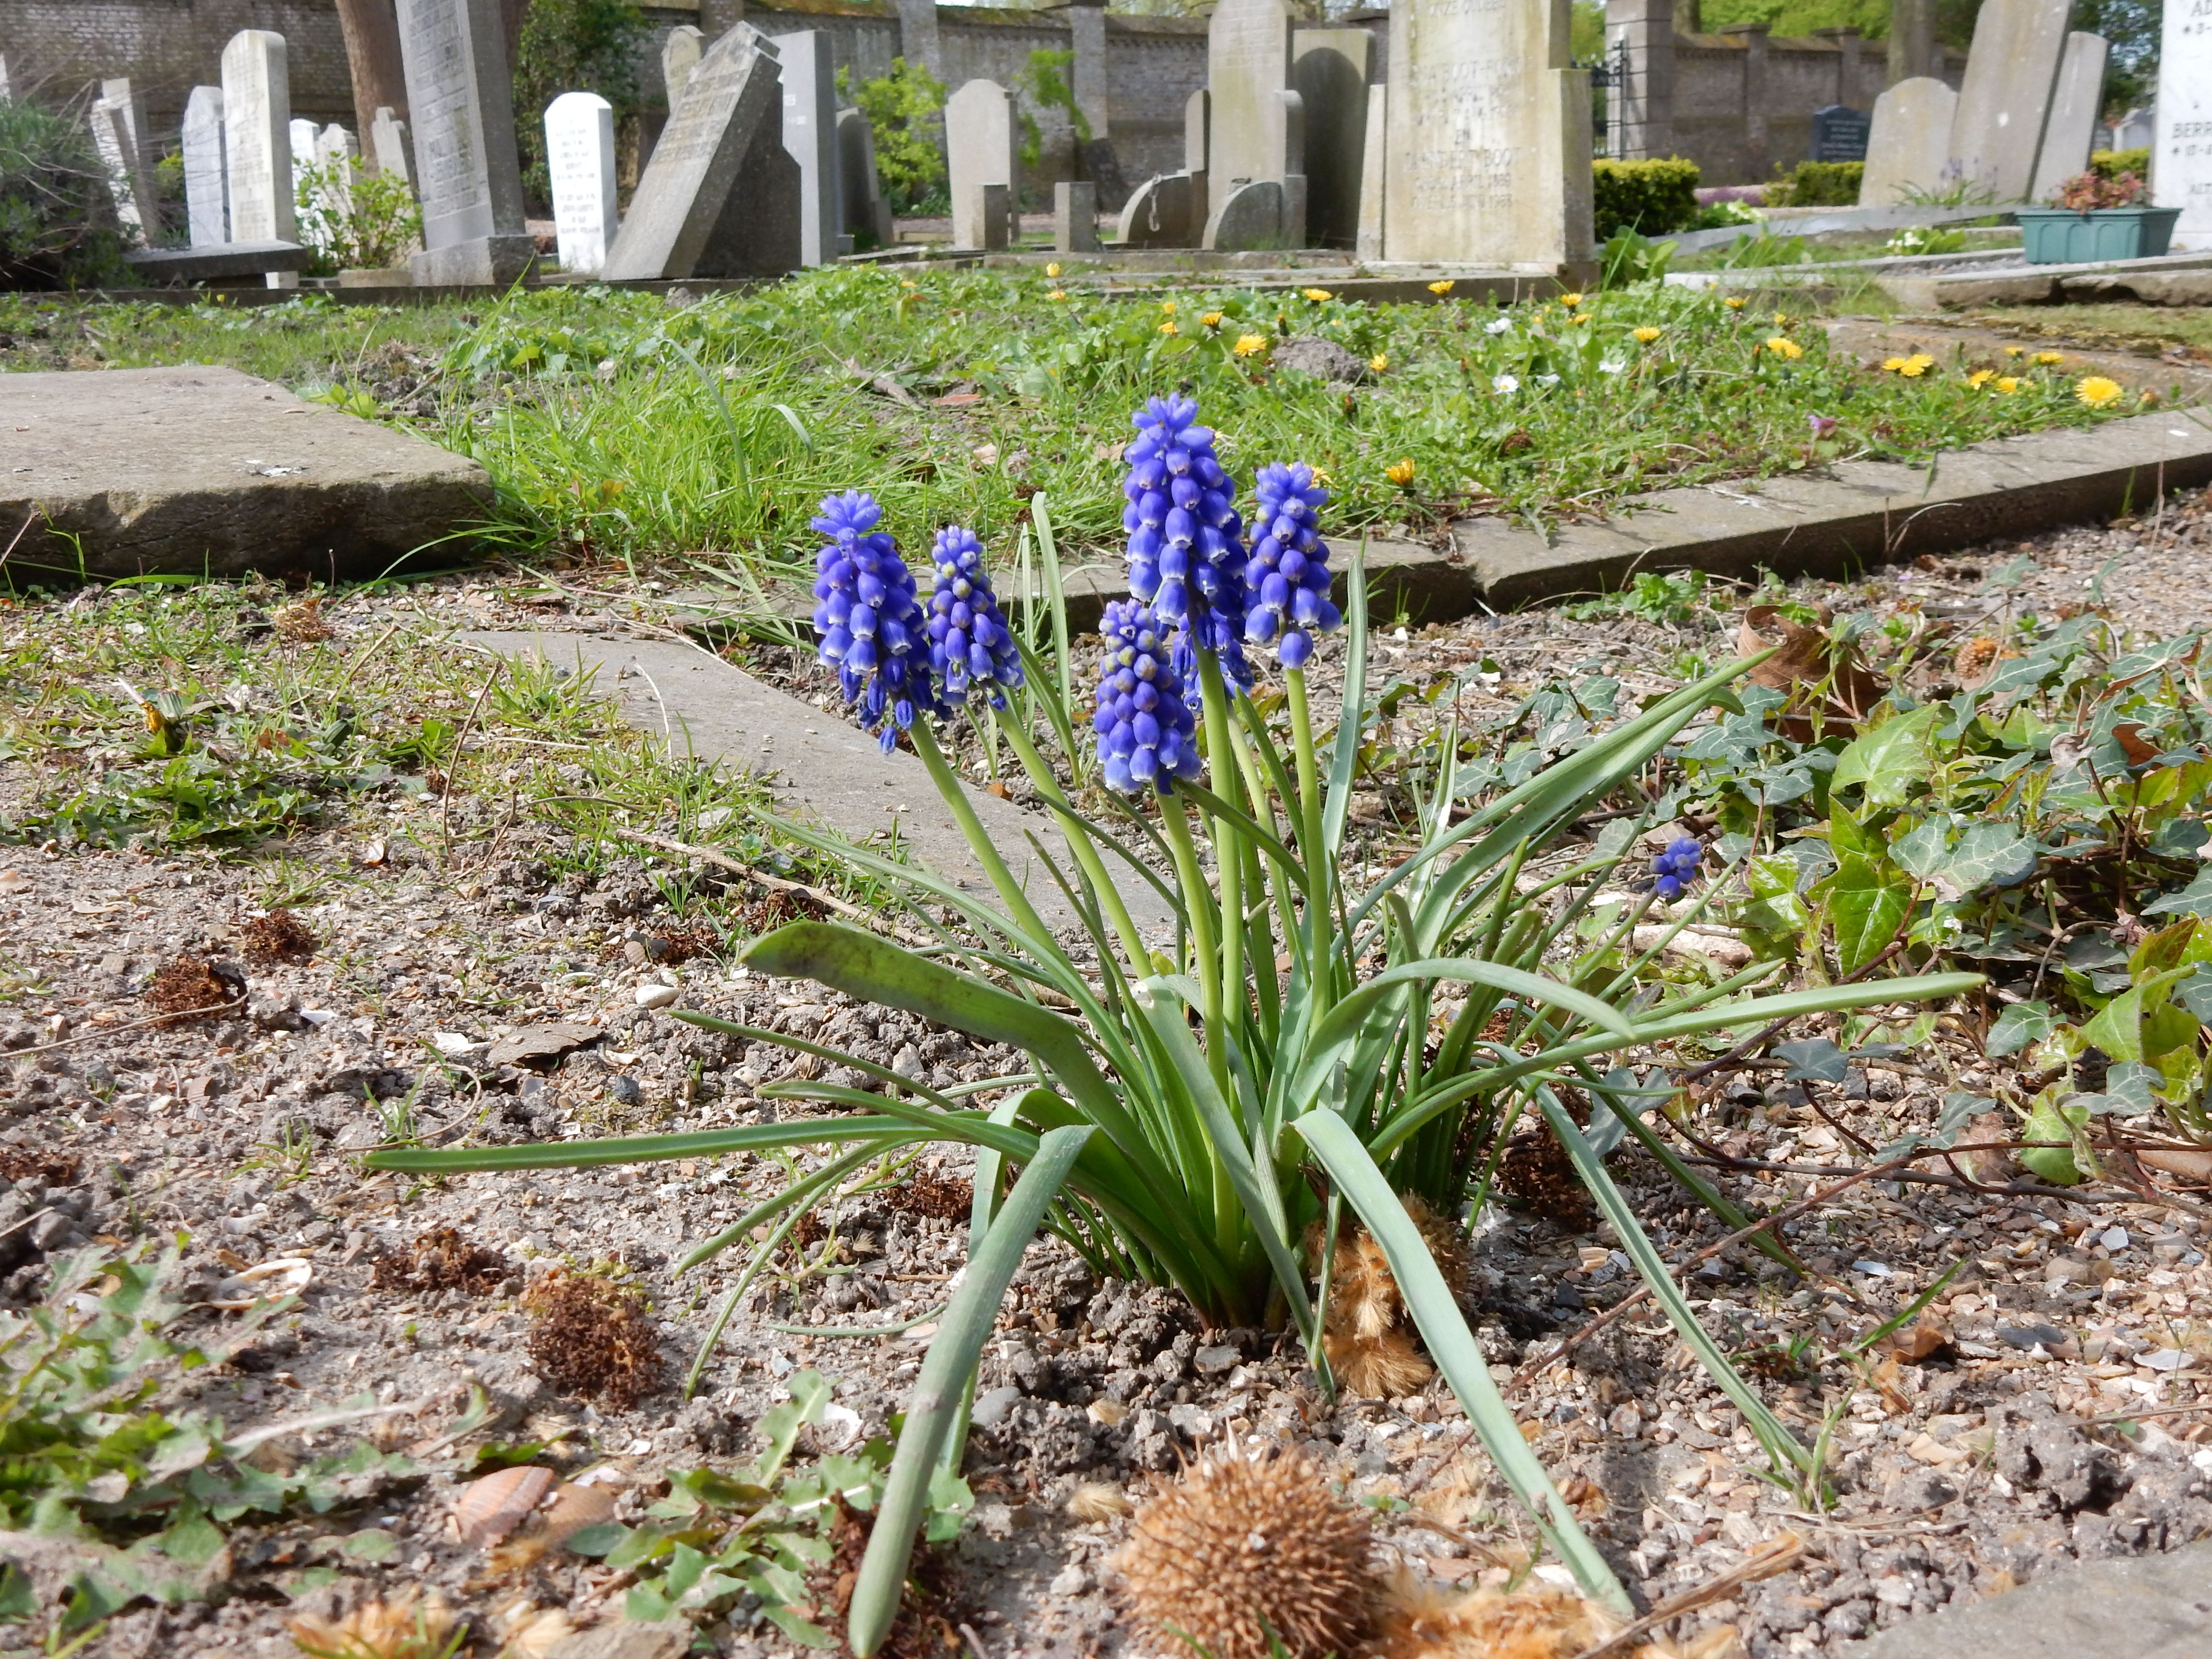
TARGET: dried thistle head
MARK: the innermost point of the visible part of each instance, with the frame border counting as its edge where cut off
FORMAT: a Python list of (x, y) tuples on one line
[(280, 936), (408, 1625), (1384, 1367), (194, 987), (592, 1337), (1097, 1500), (1421, 1620), (1247, 1546), (302, 622)]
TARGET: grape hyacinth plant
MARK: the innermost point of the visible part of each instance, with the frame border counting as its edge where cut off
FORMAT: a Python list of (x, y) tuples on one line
[(1282, 1034), (1673, 870)]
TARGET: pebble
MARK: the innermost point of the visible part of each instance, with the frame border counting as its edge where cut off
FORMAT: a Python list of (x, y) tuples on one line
[(653, 994), (624, 1090)]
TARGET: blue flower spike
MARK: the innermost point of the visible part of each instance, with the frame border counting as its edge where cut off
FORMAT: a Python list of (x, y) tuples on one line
[(1286, 580), (1186, 558), (1145, 732), (871, 625), (1677, 867), (969, 645)]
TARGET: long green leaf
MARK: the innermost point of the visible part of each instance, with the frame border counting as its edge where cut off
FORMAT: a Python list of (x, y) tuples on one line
[(937, 1391), (1453, 1346), (1351, 715), (641, 1149)]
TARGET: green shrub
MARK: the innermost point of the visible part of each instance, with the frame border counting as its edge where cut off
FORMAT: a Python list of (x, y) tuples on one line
[(56, 227), (573, 45), (902, 109), (1048, 83), (1648, 197), (374, 231), (1819, 184), (2111, 163)]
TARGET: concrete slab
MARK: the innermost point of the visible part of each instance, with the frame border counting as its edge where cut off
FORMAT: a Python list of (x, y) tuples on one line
[(823, 770), (194, 471), (1816, 223), (1865, 513), (216, 261), (2151, 1607), (1426, 583), (2031, 285)]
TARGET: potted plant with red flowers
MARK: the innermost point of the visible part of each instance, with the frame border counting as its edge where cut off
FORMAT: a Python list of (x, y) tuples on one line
[(2094, 218)]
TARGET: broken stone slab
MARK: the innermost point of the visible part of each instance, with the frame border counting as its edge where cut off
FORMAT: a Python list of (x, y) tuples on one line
[(2154, 287), (2149, 1607), (822, 769), (1423, 583), (216, 262), (1860, 514), (626, 1638), (195, 471), (2031, 285), (545, 1042)]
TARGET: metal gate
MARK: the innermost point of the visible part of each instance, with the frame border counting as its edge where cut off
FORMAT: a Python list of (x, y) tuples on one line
[(1608, 77)]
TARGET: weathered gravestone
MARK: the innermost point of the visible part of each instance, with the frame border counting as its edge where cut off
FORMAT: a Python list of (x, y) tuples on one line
[(1840, 133), (257, 119), (810, 133), (460, 102), (301, 133), (720, 196), (1075, 217), (1197, 126), (3, 75), (2138, 130), (1247, 69), (1374, 182), (1909, 143), (207, 219), (337, 154), (2181, 155), (1166, 211), (118, 129), (2070, 131), (1489, 135), (580, 158), (1329, 67), (679, 55), (2011, 71), (865, 208), (979, 151), (388, 143), (1252, 217)]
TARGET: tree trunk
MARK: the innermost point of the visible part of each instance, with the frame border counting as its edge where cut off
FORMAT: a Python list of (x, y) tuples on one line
[(379, 80)]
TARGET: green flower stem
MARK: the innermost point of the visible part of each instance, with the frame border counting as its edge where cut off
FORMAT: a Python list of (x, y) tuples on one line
[(1227, 1213), (1085, 849), (1229, 865), (979, 839)]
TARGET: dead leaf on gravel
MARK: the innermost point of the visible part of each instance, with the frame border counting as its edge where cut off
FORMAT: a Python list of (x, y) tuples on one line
[(1928, 1338), (409, 1625), (488, 1510), (287, 1275), (567, 1511), (526, 1630), (541, 1042), (372, 854), (12, 881), (2193, 1164), (1819, 676)]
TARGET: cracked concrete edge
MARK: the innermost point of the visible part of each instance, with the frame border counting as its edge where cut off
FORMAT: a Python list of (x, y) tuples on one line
[(2156, 1607)]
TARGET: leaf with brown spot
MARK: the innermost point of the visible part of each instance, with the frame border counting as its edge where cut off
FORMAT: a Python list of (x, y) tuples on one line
[(1820, 677), (2129, 735)]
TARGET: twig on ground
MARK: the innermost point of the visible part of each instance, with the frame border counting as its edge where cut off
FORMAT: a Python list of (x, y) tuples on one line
[(1764, 1564), (132, 1025)]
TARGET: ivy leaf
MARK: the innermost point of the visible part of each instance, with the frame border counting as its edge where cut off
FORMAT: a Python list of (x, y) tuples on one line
[(1989, 854), (2194, 993), (1890, 760), (1814, 1059), (2049, 1121), (1866, 904), (2022, 1025), (2194, 900)]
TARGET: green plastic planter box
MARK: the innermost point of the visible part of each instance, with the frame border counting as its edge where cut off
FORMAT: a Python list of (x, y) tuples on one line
[(2059, 236)]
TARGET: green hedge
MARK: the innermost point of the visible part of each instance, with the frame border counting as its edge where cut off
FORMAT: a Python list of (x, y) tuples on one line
[(1648, 197), (2111, 163), (57, 226), (1819, 184)]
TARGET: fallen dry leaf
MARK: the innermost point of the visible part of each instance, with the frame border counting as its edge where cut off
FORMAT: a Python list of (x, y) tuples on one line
[(490, 1508), (2191, 1163), (1921, 1341), (1820, 676)]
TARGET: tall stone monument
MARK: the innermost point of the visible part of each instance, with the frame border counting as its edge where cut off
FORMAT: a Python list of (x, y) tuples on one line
[(119, 132), (865, 210), (2181, 154), (729, 122), (336, 157), (679, 55), (579, 156), (1247, 69), (1329, 68), (2012, 70), (810, 133), (2069, 131), (1374, 174), (256, 121), (388, 143), (460, 103), (207, 217), (1075, 217), (1909, 146), (979, 151), (1489, 145)]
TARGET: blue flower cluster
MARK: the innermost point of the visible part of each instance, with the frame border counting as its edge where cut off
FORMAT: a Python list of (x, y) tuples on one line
[(869, 620), (1287, 578), (1677, 867), (1186, 558), (1145, 731), (969, 643)]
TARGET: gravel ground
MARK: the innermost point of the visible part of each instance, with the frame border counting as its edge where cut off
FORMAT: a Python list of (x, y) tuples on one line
[(1987, 1457)]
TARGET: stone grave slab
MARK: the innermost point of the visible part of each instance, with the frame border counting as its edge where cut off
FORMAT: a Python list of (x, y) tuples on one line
[(1373, 185), (1247, 69), (2148, 1607), (858, 186), (257, 120), (207, 217), (2181, 152), (810, 134), (2069, 131), (1160, 212), (196, 470), (1329, 69), (679, 55), (1251, 217), (119, 132), (979, 136), (579, 156), (1840, 133), (2011, 71), (389, 144), (824, 770), (1909, 146), (1075, 217), (460, 100), (216, 262)]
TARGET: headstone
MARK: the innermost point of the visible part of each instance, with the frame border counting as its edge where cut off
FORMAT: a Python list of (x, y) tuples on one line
[(1329, 67), (757, 234), (1161, 212), (993, 210), (2011, 71), (1489, 135), (388, 143), (1075, 218), (2181, 152), (303, 133), (118, 122), (206, 216), (1251, 218), (2138, 130), (679, 55), (866, 212), (731, 99), (1840, 133), (1248, 66), (1908, 143), (1197, 124), (460, 102), (810, 133), (1372, 175), (337, 156), (257, 120), (580, 158), (3, 75), (2069, 131), (979, 151)]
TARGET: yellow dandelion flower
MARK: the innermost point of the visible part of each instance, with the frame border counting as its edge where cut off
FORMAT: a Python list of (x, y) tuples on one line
[(1400, 473), (1169, 328), (1580, 317), (1916, 366), (1788, 350), (1892, 365), (2007, 384), (1379, 362), (2014, 351), (1571, 301), (1056, 295), (2095, 391), (1782, 320), (1316, 294), (1212, 319), (1167, 306), (2049, 359), (1645, 335), (1443, 287), (1051, 270), (1735, 302), (1980, 378), (1249, 345)]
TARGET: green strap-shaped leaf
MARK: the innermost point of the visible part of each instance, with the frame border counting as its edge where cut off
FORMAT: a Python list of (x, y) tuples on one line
[(937, 1391), (642, 1149), (1453, 1346)]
